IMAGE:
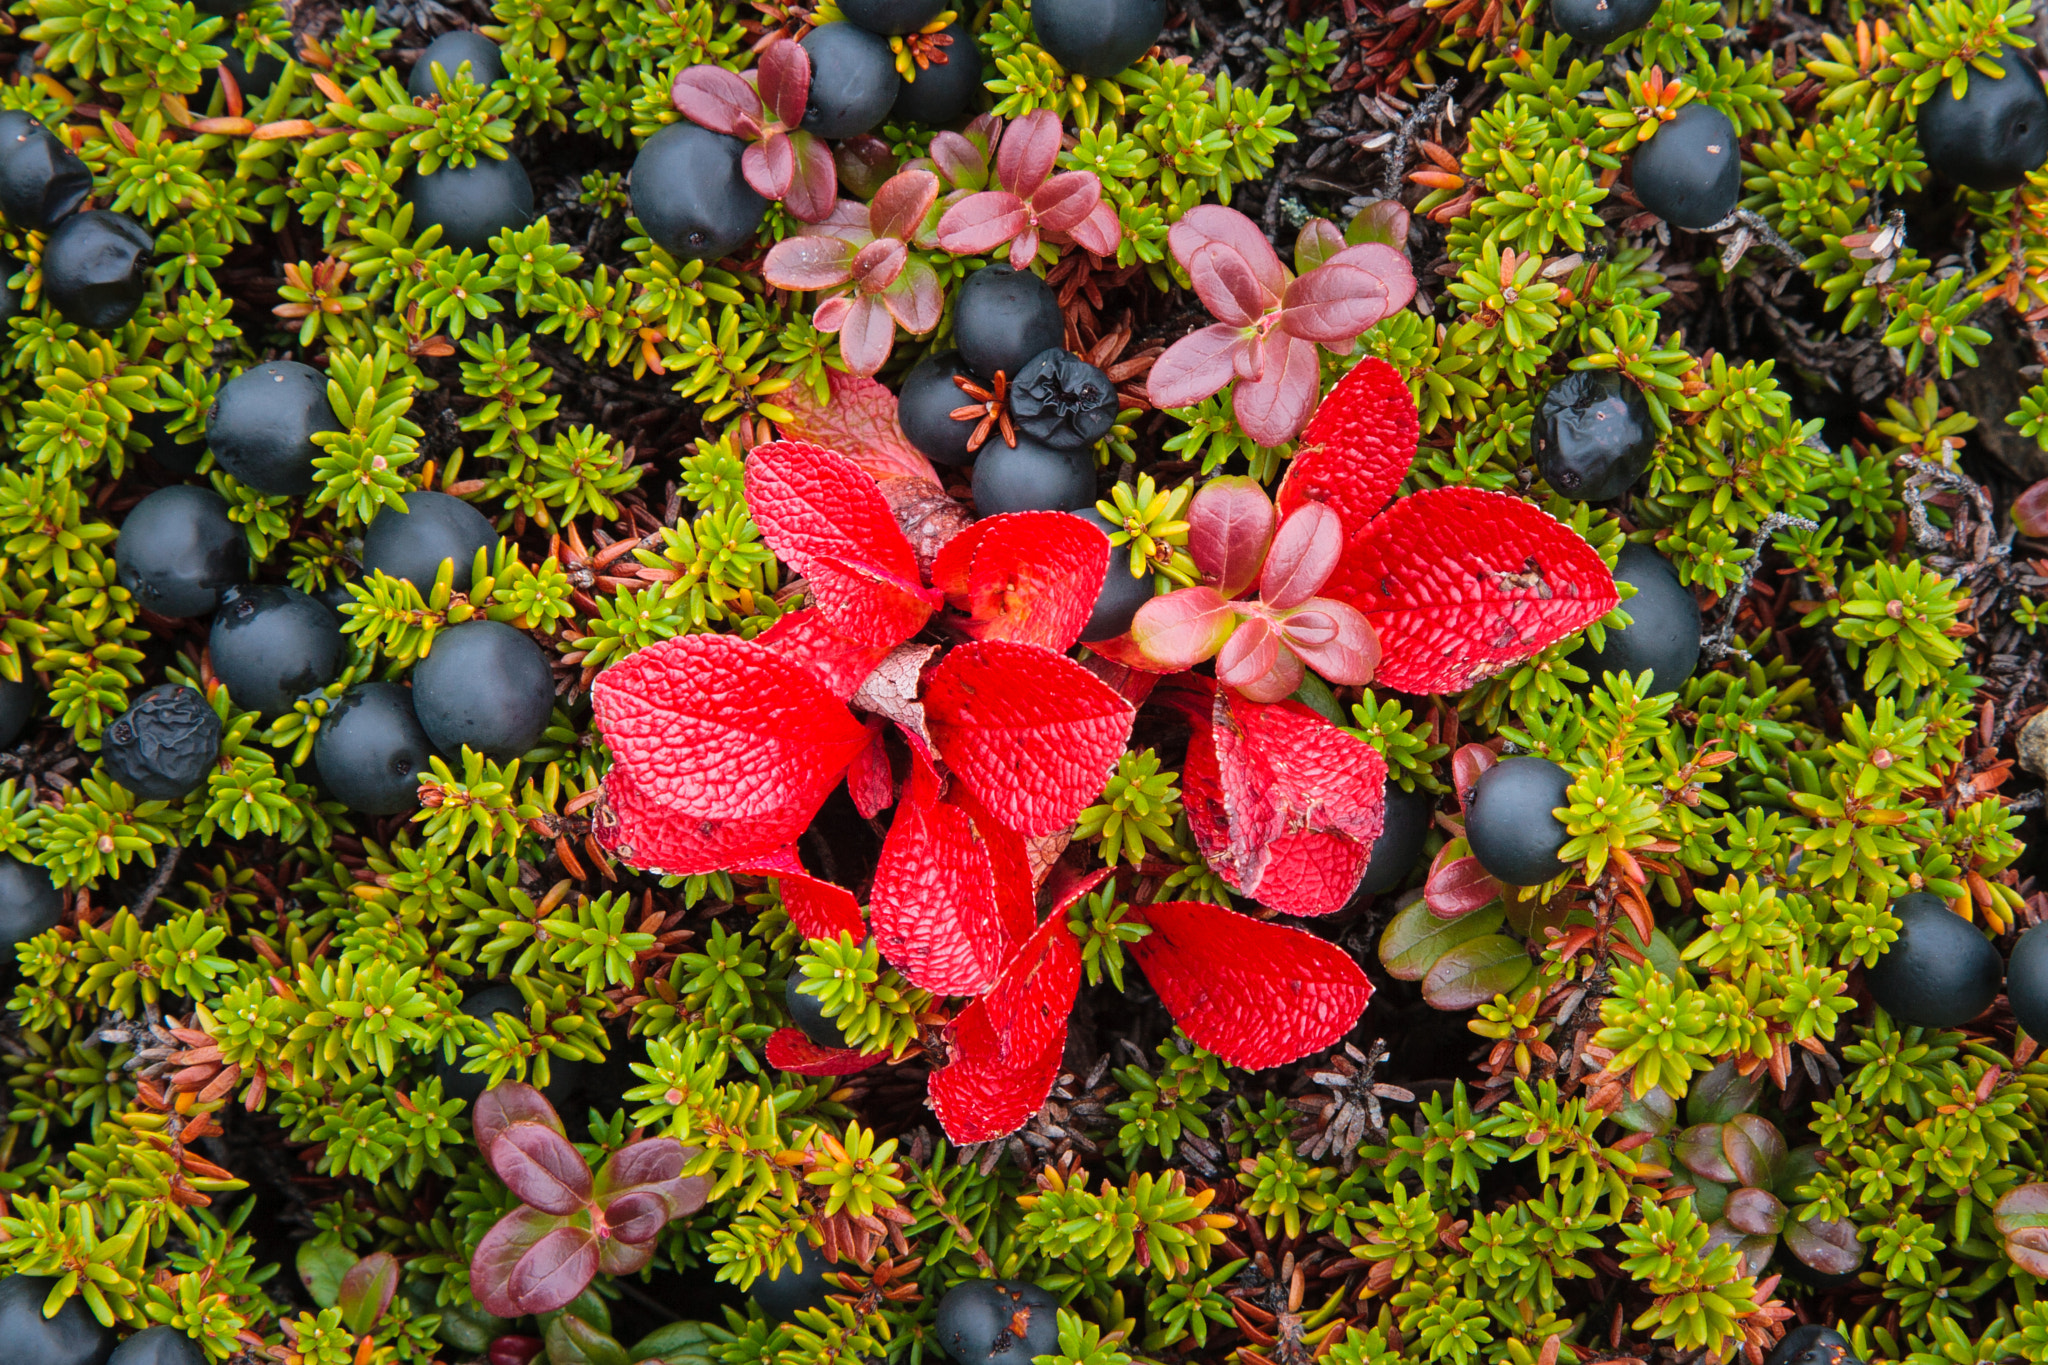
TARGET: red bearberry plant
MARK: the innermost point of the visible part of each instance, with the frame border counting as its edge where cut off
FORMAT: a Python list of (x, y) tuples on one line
[(862, 256), (1031, 204), (764, 107)]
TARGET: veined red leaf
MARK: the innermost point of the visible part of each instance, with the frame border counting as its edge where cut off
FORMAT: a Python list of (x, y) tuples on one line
[(857, 421), (1032, 577), (1230, 528), (1276, 405), (1063, 201), (1303, 556), (818, 908), (1027, 151), (785, 76), (944, 900), (1207, 224), (1254, 993), (1196, 366), (899, 205), (982, 222), (1032, 733), (1183, 628), (805, 263), (808, 637), (540, 1166), (643, 829), (1313, 872), (1228, 287), (789, 1050), (1459, 583), (1356, 449), (715, 98), (869, 781), (1333, 639), (531, 1262), (505, 1104), (1322, 776), (1006, 1045)]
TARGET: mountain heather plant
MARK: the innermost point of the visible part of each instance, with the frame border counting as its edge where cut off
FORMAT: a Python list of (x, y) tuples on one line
[(1082, 681)]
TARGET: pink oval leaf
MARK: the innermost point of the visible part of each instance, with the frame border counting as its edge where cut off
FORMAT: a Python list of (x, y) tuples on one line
[(1384, 221), (1212, 224), (1227, 286), (1273, 407), (785, 73), (1334, 640), (637, 1216), (715, 98), (1457, 884), (505, 1104), (498, 1256), (1025, 156), (541, 1167), (866, 335), (982, 222), (899, 205), (1183, 628), (1302, 558), (1101, 232), (1248, 655), (1230, 530), (805, 263), (553, 1270), (1316, 243), (1024, 248), (1197, 365), (1348, 294), (769, 166), (963, 163), (1063, 201), (876, 265), (813, 188), (915, 300)]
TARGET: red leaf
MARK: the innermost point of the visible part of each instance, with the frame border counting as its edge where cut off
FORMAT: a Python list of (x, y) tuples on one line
[(859, 422), (1458, 886), (637, 1216), (950, 893), (1344, 297), (505, 1104), (824, 517), (1356, 449), (1253, 993), (1318, 240), (366, 1291), (769, 165), (1253, 664), (1303, 557), (803, 263), (1230, 529), (876, 265), (1207, 224), (867, 333), (1100, 232), (1006, 1046), (1322, 777), (715, 98), (1025, 156), (789, 1050), (1276, 405), (529, 1262), (1228, 287), (1032, 577), (1194, 367), (1333, 639), (812, 190), (982, 222), (818, 908), (1459, 583), (807, 637), (538, 1164), (1032, 733), (915, 300), (1065, 200), (962, 162), (1468, 765), (785, 76), (1313, 872), (869, 781), (1183, 628), (901, 203)]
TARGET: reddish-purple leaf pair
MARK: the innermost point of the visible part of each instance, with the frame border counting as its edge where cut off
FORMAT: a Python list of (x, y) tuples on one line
[(1032, 204), (570, 1224), (765, 106), (866, 246)]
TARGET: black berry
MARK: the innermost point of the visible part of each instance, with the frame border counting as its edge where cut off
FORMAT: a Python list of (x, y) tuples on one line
[(162, 747), (171, 454), (42, 181), (371, 750), (808, 1013), (1063, 401), (71, 1337), (19, 702), (262, 423), (891, 18), (473, 204), (1395, 852), (802, 1285), (449, 52), (10, 297), (925, 405), (2026, 982), (433, 529), (158, 1346), (566, 1079), (1509, 821), (689, 195), (178, 552), (944, 92), (1813, 1344), (1601, 21), (1690, 171), (220, 9), (1004, 317), (1592, 435), (30, 904), (1663, 635), (997, 1322), (272, 645), (484, 685), (96, 268), (1941, 972), (1996, 133), (853, 80), (1030, 477), (1098, 38), (1123, 592)]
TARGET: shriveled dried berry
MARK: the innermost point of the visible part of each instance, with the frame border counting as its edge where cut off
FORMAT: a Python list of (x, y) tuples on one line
[(1062, 400), (997, 1322), (1592, 435), (162, 747), (1940, 972)]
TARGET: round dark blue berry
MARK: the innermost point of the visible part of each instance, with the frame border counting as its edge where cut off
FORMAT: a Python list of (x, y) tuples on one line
[(1941, 971), (175, 456), (1663, 635), (449, 52), (1601, 21), (1004, 317), (271, 645), (72, 1336), (1098, 38), (946, 91), (19, 702), (1510, 824), (925, 405), (997, 1322), (178, 551), (472, 204), (10, 296), (1123, 592), (42, 181), (433, 529), (158, 1346), (371, 750), (1592, 435), (486, 686), (1395, 852), (1063, 401), (1030, 477), (891, 18), (1814, 1344), (808, 1013), (164, 745), (690, 196), (796, 1287), (262, 423), (1690, 171), (96, 268), (853, 81), (2026, 982), (1997, 132), (253, 79), (30, 904)]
